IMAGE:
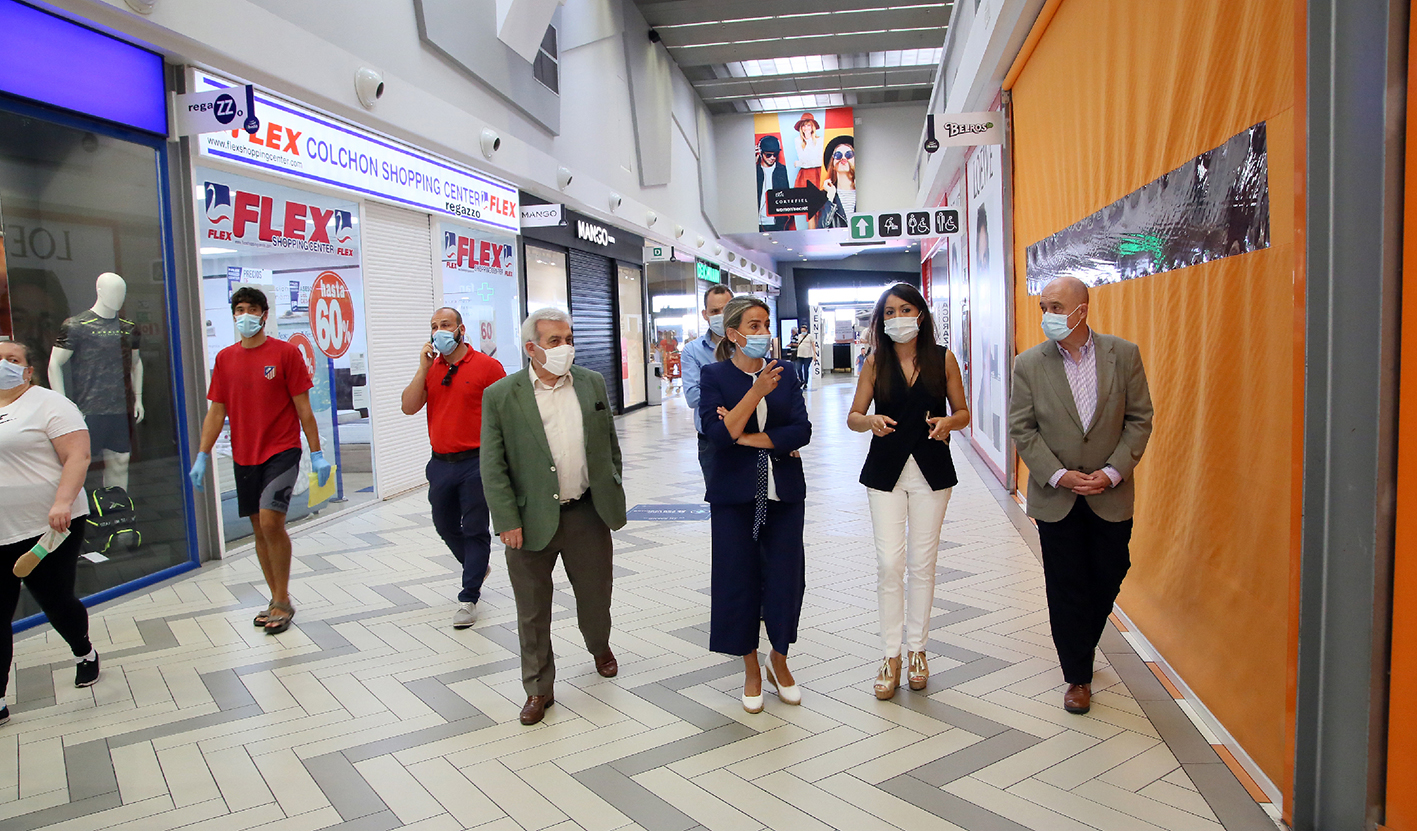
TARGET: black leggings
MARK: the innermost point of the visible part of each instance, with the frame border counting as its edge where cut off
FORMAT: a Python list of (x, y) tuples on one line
[(52, 585)]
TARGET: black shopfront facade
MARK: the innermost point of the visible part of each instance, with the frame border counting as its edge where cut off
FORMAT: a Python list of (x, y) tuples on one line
[(595, 272)]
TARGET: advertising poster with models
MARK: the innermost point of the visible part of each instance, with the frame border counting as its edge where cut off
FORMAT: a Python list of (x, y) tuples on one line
[(801, 149), (988, 304)]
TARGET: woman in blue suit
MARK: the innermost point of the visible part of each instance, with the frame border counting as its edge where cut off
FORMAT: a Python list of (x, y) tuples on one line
[(753, 413)]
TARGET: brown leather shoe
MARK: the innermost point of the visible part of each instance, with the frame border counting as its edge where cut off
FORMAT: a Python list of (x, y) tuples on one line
[(1078, 699), (605, 664), (535, 708)]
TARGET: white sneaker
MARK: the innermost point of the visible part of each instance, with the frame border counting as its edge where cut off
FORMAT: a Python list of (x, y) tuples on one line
[(465, 616)]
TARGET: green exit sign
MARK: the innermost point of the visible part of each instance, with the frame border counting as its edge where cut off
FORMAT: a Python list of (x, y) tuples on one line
[(707, 271)]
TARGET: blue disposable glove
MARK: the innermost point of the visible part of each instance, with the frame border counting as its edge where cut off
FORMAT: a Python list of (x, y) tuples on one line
[(198, 473), (320, 466)]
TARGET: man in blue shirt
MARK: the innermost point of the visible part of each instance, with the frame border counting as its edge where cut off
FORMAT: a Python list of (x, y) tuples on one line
[(696, 354)]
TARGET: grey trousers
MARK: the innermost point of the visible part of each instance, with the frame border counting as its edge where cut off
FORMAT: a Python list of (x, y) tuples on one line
[(583, 542)]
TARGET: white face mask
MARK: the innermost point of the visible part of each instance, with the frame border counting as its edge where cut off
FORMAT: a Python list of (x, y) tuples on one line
[(902, 329), (11, 375), (559, 358)]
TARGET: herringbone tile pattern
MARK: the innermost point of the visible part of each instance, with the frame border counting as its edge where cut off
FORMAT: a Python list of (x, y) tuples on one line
[(372, 713)]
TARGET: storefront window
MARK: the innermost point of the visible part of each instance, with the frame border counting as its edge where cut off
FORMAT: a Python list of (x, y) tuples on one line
[(480, 281), (632, 336), (302, 249), (87, 290), (546, 283)]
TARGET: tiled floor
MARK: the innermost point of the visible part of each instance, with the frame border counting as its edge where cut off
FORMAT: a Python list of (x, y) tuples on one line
[(371, 713)]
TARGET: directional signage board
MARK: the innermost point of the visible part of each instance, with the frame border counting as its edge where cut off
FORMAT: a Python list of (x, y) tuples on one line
[(932, 222)]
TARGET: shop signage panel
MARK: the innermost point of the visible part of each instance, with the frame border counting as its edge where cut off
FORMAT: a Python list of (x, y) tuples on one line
[(542, 216), (963, 130), (470, 252), (299, 143), (708, 271), (792, 201), (659, 253), (590, 232), (57, 62), (216, 110)]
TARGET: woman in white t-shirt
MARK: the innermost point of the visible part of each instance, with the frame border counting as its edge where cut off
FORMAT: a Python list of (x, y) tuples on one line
[(44, 453)]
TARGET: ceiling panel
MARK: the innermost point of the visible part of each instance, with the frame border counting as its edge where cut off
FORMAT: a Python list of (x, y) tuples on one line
[(789, 46), (868, 52), (840, 23), (672, 12)]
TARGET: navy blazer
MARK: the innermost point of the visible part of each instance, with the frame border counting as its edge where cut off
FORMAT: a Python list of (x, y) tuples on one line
[(733, 470)]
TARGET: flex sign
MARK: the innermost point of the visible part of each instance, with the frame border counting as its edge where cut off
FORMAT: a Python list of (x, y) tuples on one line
[(480, 256), (254, 219), (298, 143)]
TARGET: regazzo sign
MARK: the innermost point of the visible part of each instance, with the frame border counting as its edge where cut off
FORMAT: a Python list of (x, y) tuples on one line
[(296, 142)]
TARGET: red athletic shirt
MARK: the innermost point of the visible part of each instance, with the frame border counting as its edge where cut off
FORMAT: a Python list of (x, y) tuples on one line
[(455, 411), (258, 387)]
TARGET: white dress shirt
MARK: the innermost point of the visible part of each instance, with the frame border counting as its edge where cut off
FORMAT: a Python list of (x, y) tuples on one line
[(761, 411), (1082, 380), (565, 432)]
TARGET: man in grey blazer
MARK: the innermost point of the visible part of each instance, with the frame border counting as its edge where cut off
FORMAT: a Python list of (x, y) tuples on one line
[(551, 473), (1080, 417)]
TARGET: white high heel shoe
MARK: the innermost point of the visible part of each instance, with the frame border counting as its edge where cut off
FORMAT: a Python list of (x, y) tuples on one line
[(753, 703), (787, 695)]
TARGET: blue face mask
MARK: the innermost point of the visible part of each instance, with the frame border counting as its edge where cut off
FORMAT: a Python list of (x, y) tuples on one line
[(756, 345), (716, 324), (445, 342), (1055, 326), (248, 325)]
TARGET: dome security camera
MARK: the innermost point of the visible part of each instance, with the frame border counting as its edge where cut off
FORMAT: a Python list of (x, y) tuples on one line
[(653, 36), (650, 218), (717, 249), (369, 86), (615, 200), (563, 178), (142, 6), (490, 141), (699, 241), (678, 231)]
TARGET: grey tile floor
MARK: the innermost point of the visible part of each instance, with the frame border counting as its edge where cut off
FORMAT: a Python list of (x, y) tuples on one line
[(372, 713)]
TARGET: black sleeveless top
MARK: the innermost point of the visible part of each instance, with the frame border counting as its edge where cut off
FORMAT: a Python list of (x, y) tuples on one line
[(908, 405)]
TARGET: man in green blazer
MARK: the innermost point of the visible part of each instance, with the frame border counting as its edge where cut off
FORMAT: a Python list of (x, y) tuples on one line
[(551, 473), (1080, 415)]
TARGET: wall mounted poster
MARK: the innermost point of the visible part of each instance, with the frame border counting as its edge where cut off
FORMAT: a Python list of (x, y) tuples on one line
[(806, 149), (988, 304)]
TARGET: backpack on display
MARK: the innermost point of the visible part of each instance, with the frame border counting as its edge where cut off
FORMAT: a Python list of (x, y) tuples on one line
[(111, 521)]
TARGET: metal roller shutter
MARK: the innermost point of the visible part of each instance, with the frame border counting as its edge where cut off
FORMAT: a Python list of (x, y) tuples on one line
[(593, 309), (398, 289)]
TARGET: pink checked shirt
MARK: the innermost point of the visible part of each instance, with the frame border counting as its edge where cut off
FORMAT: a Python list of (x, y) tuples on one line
[(1082, 378)]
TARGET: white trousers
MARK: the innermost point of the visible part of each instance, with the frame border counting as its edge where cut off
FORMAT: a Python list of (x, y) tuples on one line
[(907, 523)]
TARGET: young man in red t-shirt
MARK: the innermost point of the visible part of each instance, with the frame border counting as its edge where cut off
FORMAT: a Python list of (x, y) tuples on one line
[(450, 379), (263, 386)]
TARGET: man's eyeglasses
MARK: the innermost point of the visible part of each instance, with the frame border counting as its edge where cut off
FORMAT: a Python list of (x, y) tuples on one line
[(452, 370), (843, 154)]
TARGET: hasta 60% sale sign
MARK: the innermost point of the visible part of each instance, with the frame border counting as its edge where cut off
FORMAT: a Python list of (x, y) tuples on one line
[(331, 314)]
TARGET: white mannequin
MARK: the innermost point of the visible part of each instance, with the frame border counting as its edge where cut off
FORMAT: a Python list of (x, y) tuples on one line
[(111, 291)]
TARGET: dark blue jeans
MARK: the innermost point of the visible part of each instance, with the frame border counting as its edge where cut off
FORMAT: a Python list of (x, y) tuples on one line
[(461, 518)]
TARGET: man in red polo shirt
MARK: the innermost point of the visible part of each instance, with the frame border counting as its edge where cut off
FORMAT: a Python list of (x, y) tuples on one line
[(450, 379)]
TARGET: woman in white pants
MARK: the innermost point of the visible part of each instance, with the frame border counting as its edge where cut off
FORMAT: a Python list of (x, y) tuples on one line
[(919, 398)]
